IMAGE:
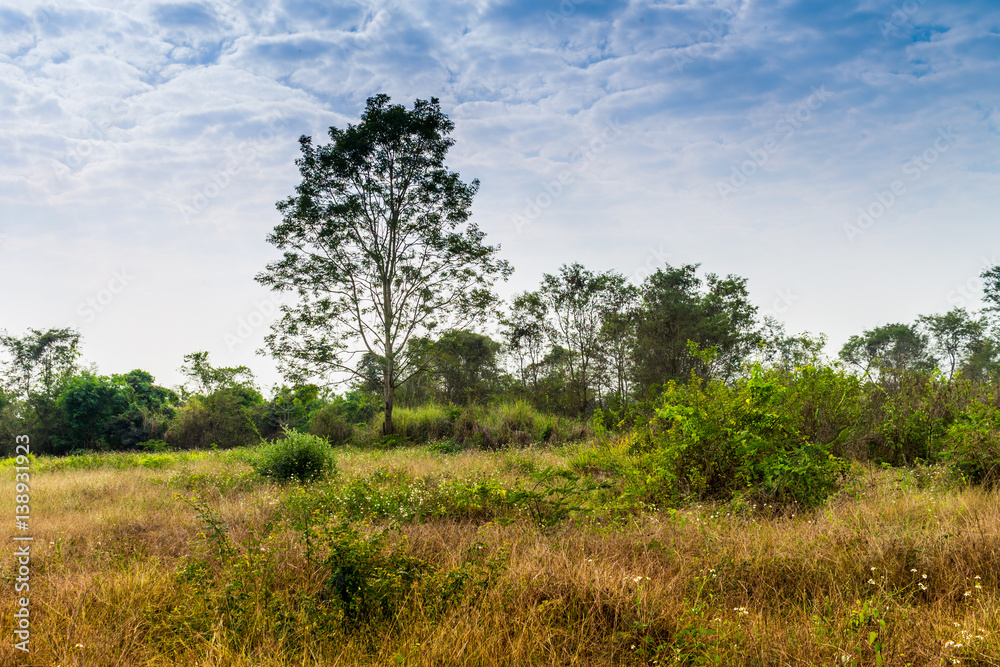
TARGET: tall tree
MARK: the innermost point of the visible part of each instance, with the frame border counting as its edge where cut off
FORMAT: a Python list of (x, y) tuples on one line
[(956, 336), (213, 378), (378, 247), (616, 339), (526, 330), (38, 360), (889, 349), (577, 299), (677, 307)]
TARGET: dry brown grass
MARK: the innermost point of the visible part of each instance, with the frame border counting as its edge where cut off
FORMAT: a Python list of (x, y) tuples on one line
[(690, 587)]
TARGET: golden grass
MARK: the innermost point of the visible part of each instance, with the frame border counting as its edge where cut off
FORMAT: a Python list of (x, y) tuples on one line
[(844, 584)]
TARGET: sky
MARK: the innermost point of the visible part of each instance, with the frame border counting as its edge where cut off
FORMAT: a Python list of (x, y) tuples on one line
[(843, 157)]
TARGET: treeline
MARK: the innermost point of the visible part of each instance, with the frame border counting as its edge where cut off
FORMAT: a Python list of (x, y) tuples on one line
[(585, 346)]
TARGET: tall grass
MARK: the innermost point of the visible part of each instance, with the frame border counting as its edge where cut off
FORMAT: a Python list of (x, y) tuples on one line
[(484, 427)]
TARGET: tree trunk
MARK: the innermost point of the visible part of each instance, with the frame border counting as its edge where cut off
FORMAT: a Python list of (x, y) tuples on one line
[(388, 428), (388, 392)]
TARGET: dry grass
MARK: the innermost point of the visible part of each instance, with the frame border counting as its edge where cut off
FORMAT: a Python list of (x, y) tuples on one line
[(888, 572)]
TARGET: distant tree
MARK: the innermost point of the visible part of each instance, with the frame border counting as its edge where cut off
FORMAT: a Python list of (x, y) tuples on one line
[(290, 407), (789, 352), (211, 378), (147, 394), (891, 348), (92, 404), (378, 247), (991, 288), (678, 307), (526, 332), (466, 363), (36, 369), (577, 301), (956, 336), (38, 360), (616, 339)]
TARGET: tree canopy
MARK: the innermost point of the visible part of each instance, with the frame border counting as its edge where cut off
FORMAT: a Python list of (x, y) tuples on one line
[(378, 247)]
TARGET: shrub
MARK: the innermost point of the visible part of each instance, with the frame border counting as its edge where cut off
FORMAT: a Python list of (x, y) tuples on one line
[(717, 442), (909, 415), (330, 423), (298, 456), (222, 418), (973, 443)]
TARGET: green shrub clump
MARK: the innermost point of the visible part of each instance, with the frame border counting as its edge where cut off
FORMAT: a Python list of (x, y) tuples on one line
[(299, 456), (973, 443), (717, 441), (330, 422)]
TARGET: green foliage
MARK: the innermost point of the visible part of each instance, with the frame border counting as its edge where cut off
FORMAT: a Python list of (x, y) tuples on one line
[(377, 244), (554, 496), (224, 418), (210, 378), (500, 425), (291, 407), (889, 348), (329, 422), (973, 443), (716, 441), (39, 360), (907, 417), (458, 368), (298, 456), (367, 581), (678, 307), (824, 404), (100, 412), (90, 403)]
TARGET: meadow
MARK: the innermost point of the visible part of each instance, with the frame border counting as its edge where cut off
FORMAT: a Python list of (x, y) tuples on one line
[(432, 555)]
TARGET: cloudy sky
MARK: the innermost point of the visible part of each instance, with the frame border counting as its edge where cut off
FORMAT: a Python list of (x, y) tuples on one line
[(842, 156)]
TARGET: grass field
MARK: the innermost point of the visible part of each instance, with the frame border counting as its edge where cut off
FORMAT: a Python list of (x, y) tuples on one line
[(415, 556)]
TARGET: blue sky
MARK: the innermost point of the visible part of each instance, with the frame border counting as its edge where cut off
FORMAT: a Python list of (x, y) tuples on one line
[(842, 156)]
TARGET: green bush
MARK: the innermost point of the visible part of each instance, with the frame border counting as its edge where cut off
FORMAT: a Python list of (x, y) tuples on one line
[(718, 441), (330, 422), (223, 418), (908, 415), (973, 443), (298, 456)]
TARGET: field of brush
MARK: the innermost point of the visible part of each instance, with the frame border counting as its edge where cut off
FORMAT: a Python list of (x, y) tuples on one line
[(421, 556)]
